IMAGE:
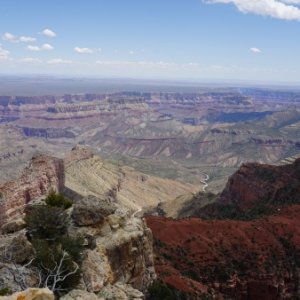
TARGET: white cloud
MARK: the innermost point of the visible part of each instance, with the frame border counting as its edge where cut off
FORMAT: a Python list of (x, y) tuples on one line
[(33, 48), (48, 32), (27, 39), (131, 52), (10, 37), (57, 61), (297, 2), (7, 36), (139, 63), (83, 50), (4, 54), (47, 47), (30, 60), (255, 50), (279, 9), (44, 47)]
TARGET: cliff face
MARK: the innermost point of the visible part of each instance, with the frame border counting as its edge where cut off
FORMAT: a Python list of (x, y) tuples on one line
[(254, 183), (43, 174), (118, 259), (123, 245), (255, 190), (256, 258)]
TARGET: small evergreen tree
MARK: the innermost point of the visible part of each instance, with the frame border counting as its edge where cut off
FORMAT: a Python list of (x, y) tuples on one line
[(58, 200), (58, 256)]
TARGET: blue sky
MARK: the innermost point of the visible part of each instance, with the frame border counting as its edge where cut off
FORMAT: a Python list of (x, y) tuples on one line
[(256, 40)]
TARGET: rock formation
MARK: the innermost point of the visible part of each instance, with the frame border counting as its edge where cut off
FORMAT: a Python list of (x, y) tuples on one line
[(43, 174), (254, 259), (254, 190), (118, 258), (123, 247), (31, 294), (89, 174)]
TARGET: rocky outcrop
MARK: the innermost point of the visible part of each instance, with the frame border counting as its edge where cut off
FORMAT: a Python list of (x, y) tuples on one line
[(253, 183), (117, 291), (118, 257), (122, 245), (31, 294), (91, 211), (43, 174), (16, 249), (117, 261), (121, 292), (80, 295)]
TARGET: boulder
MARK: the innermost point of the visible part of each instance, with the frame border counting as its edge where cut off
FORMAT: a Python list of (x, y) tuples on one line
[(80, 295), (13, 226), (9, 270), (121, 291), (95, 270), (31, 294), (18, 250), (91, 211)]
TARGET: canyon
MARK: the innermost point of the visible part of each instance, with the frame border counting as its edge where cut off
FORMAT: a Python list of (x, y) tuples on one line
[(195, 191), (167, 134)]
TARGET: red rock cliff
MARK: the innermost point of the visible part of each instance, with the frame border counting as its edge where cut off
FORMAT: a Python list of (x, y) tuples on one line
[(43, 174)]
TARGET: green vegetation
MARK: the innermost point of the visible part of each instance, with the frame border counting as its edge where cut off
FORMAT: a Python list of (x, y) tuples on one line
[(57, 256), (58, 200), (4, 291), (46, 222)]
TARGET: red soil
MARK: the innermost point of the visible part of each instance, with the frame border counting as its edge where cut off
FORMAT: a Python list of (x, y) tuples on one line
[(237, 259)]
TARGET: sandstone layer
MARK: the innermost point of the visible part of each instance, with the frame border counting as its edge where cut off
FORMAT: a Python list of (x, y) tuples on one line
[(43, 174), (88, 174)]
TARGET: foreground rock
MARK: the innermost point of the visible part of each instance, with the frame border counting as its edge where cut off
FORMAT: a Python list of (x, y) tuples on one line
[(31, 294), (91, 211), (118, 256), (118, 259), (80, 295), (122, 245)]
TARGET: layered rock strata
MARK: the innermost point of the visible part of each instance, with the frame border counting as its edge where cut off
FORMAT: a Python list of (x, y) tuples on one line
[(43, 174)]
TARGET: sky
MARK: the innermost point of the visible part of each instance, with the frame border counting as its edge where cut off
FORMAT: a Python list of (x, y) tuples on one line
[(257, 40)]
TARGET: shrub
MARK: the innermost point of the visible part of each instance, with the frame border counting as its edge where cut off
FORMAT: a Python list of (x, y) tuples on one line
[(54, 261), (58, 200), (4, 291), (45, 222), (57, 256)]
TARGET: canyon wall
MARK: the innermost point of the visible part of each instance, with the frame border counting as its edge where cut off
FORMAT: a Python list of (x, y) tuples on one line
[(43, 174)]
